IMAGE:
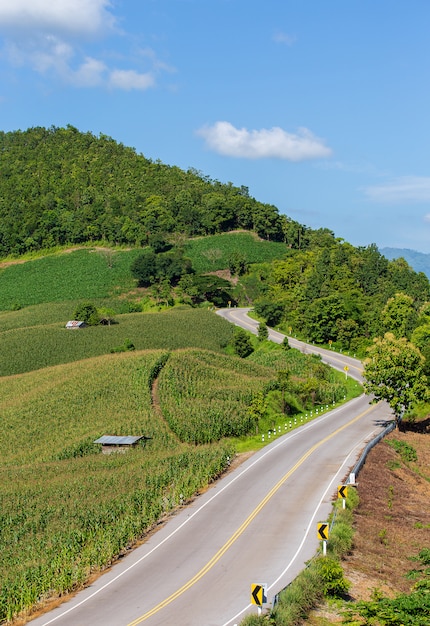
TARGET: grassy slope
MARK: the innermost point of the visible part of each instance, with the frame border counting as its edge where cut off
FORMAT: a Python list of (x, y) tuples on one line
[(213, 253), (80, 274), (99, 273), (30, 348)]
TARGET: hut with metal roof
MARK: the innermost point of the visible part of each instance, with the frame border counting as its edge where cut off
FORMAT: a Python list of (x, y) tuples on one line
[(118, 443), (75, 324)]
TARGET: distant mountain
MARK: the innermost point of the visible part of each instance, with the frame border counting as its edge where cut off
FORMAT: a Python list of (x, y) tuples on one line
[(419, 261)]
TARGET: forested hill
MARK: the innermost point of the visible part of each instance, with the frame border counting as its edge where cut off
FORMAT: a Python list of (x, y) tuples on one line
[(59, 185)]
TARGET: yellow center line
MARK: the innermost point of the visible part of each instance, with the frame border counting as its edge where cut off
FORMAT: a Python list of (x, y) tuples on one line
[(243, 526)]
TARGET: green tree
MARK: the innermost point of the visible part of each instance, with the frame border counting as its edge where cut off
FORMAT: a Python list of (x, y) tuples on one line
[(144, 267), (150, 268), (268, 309), (88, 313), (196, 289), (257, 408), (107, 315), (347, 330), (237, 264), (394, 372), (263, 331), (321, 318), (399, 315), (242, 343)]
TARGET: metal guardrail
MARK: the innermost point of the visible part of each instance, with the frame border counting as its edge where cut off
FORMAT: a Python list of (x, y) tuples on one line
[(370, 445)]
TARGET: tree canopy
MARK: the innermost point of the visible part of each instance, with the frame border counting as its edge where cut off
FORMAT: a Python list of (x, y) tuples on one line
[(335, 292), (394, 371), (61, 186)]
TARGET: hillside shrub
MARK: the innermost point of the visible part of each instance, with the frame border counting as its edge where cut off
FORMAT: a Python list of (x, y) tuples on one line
[(88, 313), (237, 263), (406, 451), (332, 579), (127, 346), (404, 610), (241, 343), (263, 332)]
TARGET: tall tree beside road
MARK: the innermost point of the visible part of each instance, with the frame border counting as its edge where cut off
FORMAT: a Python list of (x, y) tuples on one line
[(394, 371), (399, 315)]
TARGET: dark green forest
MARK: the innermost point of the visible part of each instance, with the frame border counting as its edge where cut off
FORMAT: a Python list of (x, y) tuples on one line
[(345, 295), (59, 186)]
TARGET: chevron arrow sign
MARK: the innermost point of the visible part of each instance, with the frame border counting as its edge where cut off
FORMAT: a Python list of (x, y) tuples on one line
[(322, 532)]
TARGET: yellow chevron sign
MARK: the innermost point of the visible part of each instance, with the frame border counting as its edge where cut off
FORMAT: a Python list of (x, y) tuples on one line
[(322, 531), (342, 491), (257, 594)]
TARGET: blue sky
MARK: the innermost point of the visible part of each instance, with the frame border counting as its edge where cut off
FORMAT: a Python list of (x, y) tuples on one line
[(321, 108)]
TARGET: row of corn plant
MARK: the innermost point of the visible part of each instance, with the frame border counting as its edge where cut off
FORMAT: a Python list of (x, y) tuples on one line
[(205, 397)]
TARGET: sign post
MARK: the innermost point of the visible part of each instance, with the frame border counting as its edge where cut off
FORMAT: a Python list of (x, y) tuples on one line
[(346, 368)]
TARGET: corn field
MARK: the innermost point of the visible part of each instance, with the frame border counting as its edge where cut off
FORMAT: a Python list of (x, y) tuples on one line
[(64, 516), (205, 396), (66, 510), (40, 345)]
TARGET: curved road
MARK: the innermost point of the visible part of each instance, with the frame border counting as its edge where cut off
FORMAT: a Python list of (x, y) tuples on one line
[(239, 317), (256, 525)]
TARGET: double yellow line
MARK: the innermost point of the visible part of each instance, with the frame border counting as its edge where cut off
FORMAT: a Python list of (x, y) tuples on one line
[(243, 526)]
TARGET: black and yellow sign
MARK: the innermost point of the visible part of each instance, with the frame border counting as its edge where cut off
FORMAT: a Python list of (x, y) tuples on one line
[(342, 491), (322, 531), (257, 594)]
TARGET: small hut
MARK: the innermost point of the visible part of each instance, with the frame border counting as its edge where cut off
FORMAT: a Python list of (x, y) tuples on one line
[(118, 443), (75, 324)]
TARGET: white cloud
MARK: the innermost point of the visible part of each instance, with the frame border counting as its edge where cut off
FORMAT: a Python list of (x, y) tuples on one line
[(73, 17), (130, 79), (284, 38), (48, 36), (427, 217), (276, 143), (401, 190), (90, 74)]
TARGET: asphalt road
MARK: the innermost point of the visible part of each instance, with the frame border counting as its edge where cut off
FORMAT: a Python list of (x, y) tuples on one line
[(239, 317), (257, 525)]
